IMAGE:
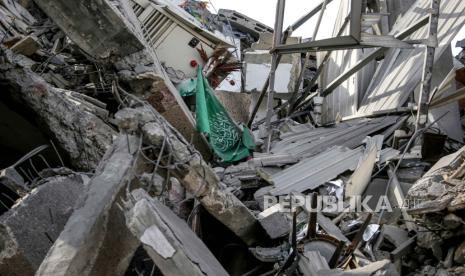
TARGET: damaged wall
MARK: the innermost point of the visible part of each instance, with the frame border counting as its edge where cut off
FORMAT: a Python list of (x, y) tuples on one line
[(344, 100), (70, 121)]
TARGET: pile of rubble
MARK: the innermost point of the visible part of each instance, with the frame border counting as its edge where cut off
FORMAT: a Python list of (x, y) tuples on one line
[(356, 166)]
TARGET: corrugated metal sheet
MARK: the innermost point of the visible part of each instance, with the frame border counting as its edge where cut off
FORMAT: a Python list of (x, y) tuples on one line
[(449, 123), (267, 160), (362, 175), (400, 73), (343, 101), (315, 171), (349, 135)]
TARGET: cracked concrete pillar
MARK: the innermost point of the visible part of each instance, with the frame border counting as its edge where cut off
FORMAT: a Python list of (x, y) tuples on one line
[(197, 176), (88, 238), (168, 240)]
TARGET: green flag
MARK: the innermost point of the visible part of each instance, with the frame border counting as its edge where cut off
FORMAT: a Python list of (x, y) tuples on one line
[(228, 141)]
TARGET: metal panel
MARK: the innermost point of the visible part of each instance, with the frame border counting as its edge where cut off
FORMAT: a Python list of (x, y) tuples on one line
[(400, 72), (313, 172), (344, 99), (356, 19), (351, 137), (450, 122), (316, 141)]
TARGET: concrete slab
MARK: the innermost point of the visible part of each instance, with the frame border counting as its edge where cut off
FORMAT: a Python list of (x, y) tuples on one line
[(168, 240), (28, 230)]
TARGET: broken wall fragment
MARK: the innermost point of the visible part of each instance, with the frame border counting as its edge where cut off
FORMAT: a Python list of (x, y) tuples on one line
[(73, 122), (174, 248), (77, 250), (196, 175), (96, 26)]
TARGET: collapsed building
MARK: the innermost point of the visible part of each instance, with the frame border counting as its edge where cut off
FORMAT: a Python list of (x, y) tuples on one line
[(151, 137)]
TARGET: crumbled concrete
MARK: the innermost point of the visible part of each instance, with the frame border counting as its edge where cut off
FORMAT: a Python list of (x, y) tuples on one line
[(83, 136), (12, 179), (200, 179), (154, 133), (459, 255), (168, 240), (93, 234), (96, 26)]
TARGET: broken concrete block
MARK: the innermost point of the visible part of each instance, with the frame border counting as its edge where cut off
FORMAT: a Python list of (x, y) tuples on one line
[(403, 249), (452, 221), (129, 119), (95, 26), (26, 46), (392, 234), (28, 230), (12, 179), (259, 196), (275, 222), (311, 263), (82, 135), (152, 182), (201, 181), (84, 242), (168, 240), (156, 91), (154, 133), (146, 81), (176, 192)]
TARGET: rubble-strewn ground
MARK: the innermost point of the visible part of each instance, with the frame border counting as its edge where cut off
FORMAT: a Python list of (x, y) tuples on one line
[(109, 166)]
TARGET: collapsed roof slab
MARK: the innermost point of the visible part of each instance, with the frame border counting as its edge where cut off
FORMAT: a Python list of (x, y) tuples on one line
[(243, 23), (101, 29), (95, 26)]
